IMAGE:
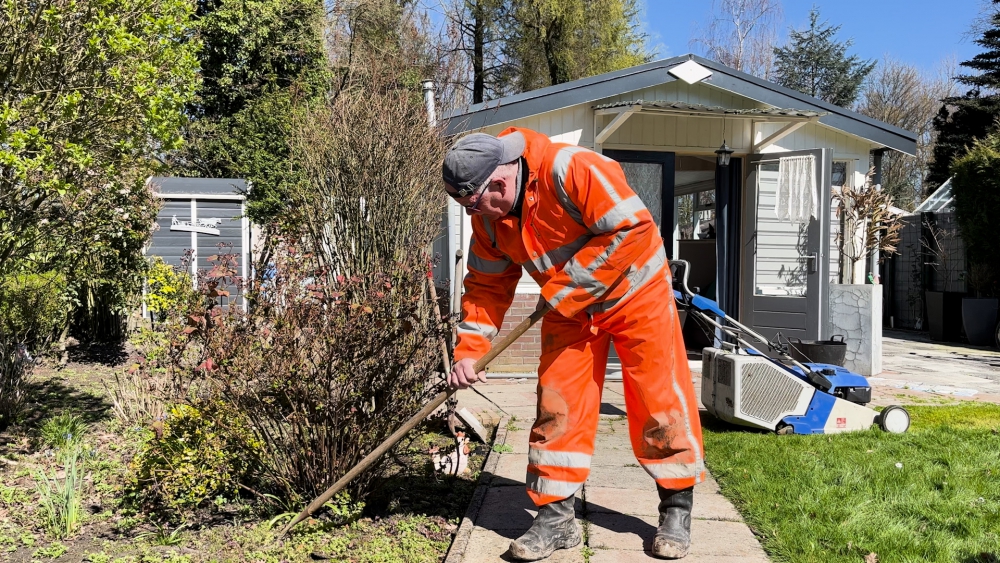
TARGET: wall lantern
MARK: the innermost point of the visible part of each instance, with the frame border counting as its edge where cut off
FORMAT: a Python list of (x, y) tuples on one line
[(723, 154)]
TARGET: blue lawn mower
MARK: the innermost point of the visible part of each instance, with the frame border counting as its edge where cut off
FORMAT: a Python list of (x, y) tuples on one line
[(771, 390)]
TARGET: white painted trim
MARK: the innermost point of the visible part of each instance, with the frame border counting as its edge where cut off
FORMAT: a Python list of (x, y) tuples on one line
[(527, 287), (194, 244), (777, 136), (669, 148), (711, 115), (617, 122), (209, 197), (245, 262)]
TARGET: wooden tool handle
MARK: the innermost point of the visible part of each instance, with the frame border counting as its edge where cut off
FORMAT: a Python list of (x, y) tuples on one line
[(514, 334), (396, 436)]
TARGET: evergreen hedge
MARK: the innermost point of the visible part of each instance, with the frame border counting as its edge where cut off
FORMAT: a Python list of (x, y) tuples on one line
[(976, 189)]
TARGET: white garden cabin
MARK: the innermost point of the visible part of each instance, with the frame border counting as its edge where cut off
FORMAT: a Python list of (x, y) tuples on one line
[(664, 121)]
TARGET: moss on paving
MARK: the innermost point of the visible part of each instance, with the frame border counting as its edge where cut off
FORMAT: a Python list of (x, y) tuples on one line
[(931, 494)]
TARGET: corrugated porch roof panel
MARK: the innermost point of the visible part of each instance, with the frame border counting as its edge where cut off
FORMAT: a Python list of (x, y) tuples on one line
[(701, 108)]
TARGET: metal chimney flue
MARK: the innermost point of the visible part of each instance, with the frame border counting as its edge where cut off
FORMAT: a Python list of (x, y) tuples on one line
[(428, 86)]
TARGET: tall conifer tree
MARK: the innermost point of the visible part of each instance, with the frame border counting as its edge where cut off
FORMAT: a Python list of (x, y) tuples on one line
[(815, 63), (963, 119)]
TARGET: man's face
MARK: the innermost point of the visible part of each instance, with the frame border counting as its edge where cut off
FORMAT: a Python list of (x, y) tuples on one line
[(496, 200)]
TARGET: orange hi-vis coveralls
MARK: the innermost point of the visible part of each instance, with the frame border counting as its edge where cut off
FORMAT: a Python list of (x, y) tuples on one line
[(593, 247)]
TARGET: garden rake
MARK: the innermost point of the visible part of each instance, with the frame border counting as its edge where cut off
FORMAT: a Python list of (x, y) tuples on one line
[(396, 436)]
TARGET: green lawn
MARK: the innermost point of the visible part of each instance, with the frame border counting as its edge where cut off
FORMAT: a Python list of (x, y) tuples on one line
[(932, 494)]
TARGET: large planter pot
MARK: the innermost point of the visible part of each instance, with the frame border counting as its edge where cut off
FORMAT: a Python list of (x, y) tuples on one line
[(979, 317), (944, 315), (856, 313)]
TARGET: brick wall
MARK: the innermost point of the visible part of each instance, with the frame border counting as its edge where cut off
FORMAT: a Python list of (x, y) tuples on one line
[(521, 356)]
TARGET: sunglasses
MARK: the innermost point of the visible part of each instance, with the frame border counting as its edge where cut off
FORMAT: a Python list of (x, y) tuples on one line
[(465, 192)]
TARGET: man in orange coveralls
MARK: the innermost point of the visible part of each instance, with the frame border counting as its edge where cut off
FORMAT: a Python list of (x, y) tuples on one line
[(568, 216)]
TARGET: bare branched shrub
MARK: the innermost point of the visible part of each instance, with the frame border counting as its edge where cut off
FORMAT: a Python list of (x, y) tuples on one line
[(371, 193), (868, 222), (324, 372), (337, 347)]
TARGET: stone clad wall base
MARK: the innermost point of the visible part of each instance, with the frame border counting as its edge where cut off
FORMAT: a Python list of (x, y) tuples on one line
[(856, 313)]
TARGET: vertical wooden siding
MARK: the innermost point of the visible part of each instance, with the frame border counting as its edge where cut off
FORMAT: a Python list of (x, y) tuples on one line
[(171, 245)]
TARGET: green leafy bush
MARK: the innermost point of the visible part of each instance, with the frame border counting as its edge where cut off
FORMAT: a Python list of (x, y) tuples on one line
[(34, 308), (165, 287), (976, 187), (193, 459)]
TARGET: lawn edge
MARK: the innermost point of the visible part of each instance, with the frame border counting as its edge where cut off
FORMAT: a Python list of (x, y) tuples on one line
[(456, 552)]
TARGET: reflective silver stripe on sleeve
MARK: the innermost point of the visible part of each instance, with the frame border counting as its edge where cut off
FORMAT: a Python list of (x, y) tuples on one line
[(583, 276), (627, 209), (484, 330), (674, 470), (558, 297), (558, 459), (560, 169), (560, 255), (546, 486), (531, 269), (583, 279), (637, 278), (487, 266), (612, 192)]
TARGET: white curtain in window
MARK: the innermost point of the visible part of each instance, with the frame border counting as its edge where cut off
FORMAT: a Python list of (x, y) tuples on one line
[(797, 199)]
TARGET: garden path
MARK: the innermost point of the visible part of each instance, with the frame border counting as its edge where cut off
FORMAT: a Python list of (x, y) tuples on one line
[(617, 507), (917, 369)]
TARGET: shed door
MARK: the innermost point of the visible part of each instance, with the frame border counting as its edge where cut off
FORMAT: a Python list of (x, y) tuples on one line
[(785, 276)]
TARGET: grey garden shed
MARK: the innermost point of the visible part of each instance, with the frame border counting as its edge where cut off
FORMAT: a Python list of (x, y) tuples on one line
[(199, 214)]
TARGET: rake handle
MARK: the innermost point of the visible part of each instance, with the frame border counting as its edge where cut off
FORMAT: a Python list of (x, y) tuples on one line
[(396, 436)]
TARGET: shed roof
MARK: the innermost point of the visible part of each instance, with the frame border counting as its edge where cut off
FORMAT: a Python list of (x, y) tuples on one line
[(594, 88), (198, 186)]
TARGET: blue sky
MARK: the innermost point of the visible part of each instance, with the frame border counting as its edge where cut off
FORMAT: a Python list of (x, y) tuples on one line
[(918, 32)]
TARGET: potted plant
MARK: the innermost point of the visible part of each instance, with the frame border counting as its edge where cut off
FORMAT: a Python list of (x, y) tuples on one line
[(868, 228), (979, 313), (943, 260)]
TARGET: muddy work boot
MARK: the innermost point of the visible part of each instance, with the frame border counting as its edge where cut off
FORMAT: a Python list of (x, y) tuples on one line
[(554, 528), (673, 536)]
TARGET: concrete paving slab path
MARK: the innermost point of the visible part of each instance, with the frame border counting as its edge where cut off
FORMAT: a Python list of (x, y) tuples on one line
[(617, 507), (916, 369)]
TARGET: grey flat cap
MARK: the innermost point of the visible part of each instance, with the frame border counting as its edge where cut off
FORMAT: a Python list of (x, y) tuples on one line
[(471, 161)]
